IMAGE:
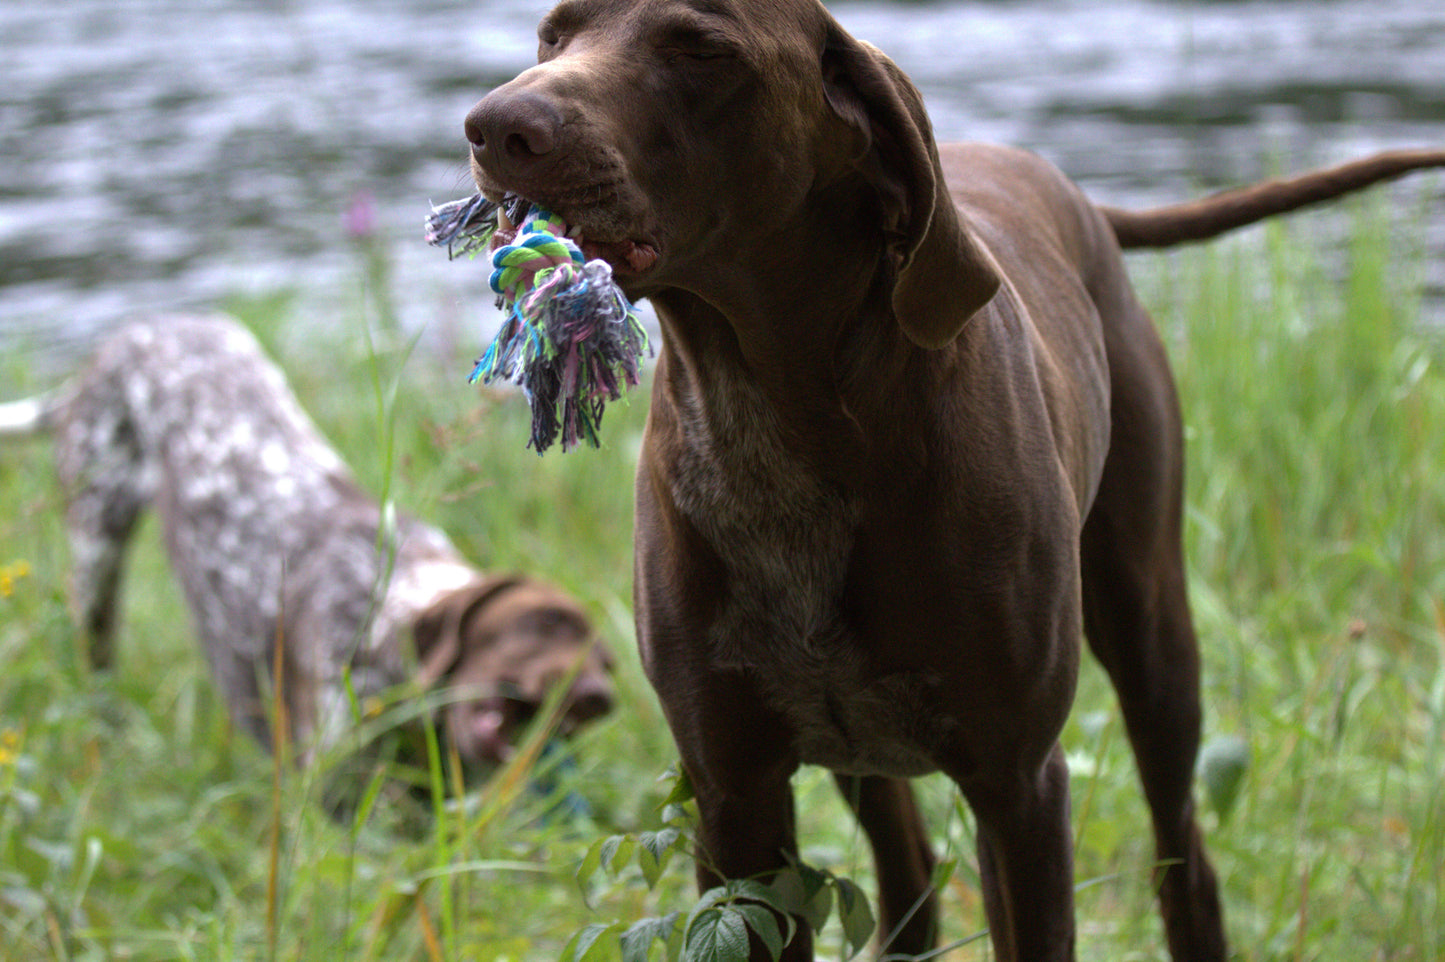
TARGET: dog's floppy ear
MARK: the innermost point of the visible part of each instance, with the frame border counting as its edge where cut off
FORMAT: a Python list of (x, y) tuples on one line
[(943, 276), (437, 632)]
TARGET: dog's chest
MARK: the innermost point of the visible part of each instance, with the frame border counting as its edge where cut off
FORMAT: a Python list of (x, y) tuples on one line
[(782, 534), (785, 538)]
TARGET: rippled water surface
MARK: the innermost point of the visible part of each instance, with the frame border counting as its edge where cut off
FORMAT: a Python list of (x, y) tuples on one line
[(160, 153)]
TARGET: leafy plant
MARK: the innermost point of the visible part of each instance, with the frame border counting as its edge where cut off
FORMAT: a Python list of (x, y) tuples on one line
[(725, 919)]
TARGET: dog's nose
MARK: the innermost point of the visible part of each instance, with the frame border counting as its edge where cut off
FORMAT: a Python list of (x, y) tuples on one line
[(512, 132), (590, 697)]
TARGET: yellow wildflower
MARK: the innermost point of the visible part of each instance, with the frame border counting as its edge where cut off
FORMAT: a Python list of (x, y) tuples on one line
[(9, 746), (11, 573)]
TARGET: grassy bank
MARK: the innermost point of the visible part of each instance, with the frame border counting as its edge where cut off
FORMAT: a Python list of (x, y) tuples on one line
[(135, 824)]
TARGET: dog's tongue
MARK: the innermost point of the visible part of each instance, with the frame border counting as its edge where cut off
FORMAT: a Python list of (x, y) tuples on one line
[(637, 257), (489, 732)]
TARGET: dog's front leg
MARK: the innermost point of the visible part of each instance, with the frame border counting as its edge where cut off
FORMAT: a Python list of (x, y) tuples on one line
[(739, 759), (737, 753), (1025, 859), (736, 749), (103, 471)]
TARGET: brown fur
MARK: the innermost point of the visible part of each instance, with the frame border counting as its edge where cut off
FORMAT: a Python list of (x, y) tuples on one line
[(910, 430)]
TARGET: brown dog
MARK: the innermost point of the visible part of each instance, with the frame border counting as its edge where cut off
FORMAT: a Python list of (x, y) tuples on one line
[(910, 430), (280, 552)]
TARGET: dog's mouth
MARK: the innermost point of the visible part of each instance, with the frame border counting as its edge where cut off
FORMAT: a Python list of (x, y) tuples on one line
[(492, 729), (626, 255)]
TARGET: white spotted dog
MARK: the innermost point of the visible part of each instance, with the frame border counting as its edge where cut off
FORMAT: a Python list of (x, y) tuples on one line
[(274, 543)]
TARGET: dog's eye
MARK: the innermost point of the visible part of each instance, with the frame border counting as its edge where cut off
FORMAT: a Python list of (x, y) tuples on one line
[(694, 45), (699, 56), (547, 622)]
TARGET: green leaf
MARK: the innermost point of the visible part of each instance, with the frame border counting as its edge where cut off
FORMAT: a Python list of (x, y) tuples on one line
[(705, 902), (638, 940), (716, 912), (617, 852), (674, 937), (803, 891), (856, 916), (681, 788), (674, 813), (746, 888), (655, 851), (716, 935), (1222, 764), (764, 924), (587, 945), (767, 896), (591, 862)]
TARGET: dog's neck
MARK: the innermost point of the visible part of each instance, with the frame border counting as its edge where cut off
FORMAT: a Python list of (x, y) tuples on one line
[(809, 329)]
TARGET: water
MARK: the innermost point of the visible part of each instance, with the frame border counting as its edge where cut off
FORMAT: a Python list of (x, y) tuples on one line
[(159, 154)]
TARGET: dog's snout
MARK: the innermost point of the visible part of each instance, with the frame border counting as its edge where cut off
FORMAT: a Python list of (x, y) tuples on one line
[(511, 132), (590, 697)]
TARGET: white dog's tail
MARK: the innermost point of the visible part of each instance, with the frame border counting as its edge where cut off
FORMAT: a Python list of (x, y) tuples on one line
[(27, 417)]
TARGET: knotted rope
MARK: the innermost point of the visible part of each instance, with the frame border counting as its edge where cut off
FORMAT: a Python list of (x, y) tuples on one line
[(571, 340)]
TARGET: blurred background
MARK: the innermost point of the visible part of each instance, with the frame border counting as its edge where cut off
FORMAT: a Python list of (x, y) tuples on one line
[(159, 154)]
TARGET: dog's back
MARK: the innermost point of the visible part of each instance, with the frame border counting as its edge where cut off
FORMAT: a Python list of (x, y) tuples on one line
[(187, 413)]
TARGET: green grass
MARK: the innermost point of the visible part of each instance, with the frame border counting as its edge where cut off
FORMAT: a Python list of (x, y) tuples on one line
[(135, 824)]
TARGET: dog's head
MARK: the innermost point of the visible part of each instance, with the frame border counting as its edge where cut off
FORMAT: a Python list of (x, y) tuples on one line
[(698, 145), (504, 645)]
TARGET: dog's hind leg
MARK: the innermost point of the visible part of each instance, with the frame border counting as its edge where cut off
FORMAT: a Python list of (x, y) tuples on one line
[(1136, 618), (903, 859)]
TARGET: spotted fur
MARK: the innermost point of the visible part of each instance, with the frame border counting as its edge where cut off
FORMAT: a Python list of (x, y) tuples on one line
[(273, 541)]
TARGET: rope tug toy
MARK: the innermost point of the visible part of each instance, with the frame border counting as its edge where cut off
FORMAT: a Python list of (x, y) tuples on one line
[(571, 340)]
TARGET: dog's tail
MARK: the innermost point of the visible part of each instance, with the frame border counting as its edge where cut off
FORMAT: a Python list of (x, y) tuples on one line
[(30, 416), (1214, 215)]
